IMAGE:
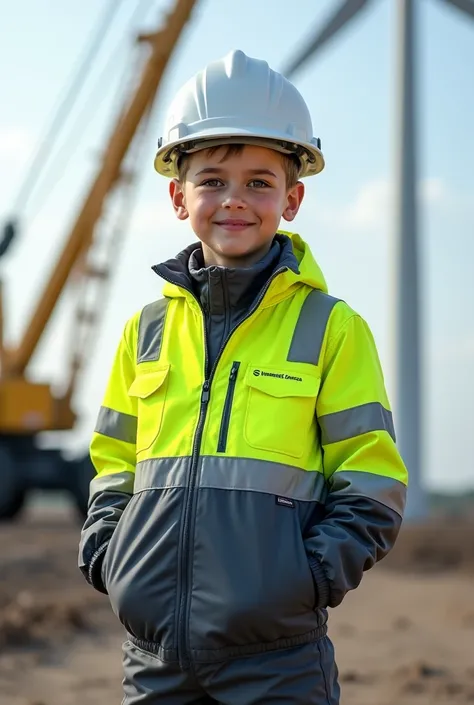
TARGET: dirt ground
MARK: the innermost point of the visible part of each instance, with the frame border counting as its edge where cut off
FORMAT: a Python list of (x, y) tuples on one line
[(406, 636)]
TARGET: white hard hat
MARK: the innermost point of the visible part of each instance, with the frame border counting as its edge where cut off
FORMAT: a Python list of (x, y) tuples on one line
[(241, 100)]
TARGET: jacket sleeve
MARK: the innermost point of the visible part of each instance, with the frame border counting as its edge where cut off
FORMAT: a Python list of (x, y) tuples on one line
[(365, 476), (113, 454)]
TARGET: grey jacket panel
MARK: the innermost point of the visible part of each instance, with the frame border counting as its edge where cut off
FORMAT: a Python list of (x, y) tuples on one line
[(141, 567), (360, 527), (252, 586), (255, 593), (106, 507)]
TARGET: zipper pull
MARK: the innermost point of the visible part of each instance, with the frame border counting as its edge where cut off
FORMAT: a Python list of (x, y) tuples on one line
[(205, 392), (233, 371)]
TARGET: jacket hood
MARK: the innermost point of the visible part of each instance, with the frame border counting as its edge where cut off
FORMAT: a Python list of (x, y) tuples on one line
[(309, 270)]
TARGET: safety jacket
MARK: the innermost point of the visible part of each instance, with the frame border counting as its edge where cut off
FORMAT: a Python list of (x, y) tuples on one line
[(233, 503)]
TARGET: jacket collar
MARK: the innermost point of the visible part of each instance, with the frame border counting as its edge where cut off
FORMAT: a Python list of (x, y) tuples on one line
[(220, 287), (296, 262)]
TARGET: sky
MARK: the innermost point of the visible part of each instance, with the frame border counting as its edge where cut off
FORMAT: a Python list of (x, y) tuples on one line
[(348, 215)]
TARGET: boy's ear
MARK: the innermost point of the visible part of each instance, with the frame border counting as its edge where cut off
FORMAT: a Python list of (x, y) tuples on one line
[(178, 200), (294, 199)]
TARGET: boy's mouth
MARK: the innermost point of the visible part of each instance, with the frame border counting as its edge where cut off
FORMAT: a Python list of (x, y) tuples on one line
[(233, 224)]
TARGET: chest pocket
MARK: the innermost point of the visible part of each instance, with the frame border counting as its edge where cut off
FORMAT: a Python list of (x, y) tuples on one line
[(150, 388), (280, 409)]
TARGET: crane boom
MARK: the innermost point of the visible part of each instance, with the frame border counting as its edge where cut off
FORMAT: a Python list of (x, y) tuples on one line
[(162, 44), (28, 408)]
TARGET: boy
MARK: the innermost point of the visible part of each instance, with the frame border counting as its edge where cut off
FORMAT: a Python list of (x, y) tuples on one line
[(247, 472)]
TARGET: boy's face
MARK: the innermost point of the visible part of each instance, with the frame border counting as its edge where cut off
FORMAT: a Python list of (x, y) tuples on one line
[(235, 204)]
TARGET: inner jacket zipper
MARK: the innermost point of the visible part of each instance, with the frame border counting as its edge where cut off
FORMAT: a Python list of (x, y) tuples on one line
[(229, 398), (189, 508)]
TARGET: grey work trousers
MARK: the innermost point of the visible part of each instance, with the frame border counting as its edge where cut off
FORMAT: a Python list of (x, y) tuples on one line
[(302, 675)]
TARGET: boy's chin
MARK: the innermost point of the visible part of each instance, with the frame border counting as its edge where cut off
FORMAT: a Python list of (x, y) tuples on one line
[(235, 247), (237, 251), (243, 254)]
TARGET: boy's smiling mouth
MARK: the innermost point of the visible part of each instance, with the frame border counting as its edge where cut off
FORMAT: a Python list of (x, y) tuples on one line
[(233, 223)]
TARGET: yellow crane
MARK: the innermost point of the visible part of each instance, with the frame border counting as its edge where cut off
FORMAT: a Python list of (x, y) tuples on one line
[(29, 408)]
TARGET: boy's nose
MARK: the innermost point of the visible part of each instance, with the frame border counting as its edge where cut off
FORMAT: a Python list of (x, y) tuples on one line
[(234, 200)]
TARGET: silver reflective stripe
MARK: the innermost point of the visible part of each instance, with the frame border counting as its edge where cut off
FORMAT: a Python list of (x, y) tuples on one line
[(161, 473), (310, 328), (112, 482), (150, 331), (262, 476), (392, 493), (114, 424), (350, 423), (244, 474)]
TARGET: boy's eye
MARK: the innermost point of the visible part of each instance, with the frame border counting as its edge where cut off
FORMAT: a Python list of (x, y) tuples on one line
[(258, 183), (213, 183), (216, 183)]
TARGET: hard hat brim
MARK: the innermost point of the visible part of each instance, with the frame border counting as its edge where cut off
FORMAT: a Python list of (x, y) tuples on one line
[(311, 157)]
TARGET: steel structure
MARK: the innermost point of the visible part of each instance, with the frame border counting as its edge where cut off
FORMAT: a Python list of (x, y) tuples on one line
[(407, 301)]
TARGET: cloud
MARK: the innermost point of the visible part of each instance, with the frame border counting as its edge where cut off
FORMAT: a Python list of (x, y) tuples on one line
[(433, 190), (373, 206)]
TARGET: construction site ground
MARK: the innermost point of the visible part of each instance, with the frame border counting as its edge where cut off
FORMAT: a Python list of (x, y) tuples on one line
[(405, 636)]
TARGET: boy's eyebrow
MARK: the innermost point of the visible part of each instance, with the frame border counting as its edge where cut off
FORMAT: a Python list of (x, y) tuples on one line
[(219, 170), (269, 172)]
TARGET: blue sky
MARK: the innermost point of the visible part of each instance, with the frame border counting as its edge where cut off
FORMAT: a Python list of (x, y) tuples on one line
[(347, 217)]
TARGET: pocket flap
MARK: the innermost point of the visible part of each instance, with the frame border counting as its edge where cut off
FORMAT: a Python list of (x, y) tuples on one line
[(148, 382), (283, 383)]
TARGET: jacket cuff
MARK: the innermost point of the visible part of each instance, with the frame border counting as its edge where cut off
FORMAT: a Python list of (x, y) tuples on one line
[(320, 581), (94, 573)]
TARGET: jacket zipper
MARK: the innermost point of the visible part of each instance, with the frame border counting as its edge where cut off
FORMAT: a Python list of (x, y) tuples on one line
[(229, 398), (189, 499), (188, 514)]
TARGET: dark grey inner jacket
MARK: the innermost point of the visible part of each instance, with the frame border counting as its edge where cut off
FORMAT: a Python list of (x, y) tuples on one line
[(226, 294)]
